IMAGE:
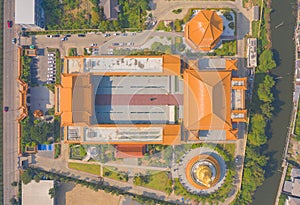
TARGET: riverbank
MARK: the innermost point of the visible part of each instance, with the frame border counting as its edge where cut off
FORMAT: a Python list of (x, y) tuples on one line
[(283, 48)]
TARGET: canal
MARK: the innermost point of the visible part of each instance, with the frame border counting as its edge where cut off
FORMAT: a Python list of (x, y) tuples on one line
[(283, 46)]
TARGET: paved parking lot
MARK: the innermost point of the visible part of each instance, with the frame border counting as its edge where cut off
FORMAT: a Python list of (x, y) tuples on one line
[(41, 98)]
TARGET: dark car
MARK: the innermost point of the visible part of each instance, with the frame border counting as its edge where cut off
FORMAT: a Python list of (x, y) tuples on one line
[(5, 109), (81, 35), (68, 35), (9, 24)]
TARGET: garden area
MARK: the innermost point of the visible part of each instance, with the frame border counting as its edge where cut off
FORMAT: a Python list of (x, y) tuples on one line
[(89, 168), (113, 173), (161, 181), (77, 152), (227, 48), (157, 156), (39, 131), (25, 76)]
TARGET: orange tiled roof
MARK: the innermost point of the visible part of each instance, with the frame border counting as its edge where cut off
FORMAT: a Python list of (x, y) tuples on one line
[(207, 100), (204, 30), (231, 64)]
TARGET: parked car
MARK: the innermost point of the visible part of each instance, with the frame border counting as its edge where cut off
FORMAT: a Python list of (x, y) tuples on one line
[(51, 54), (94, 44), (55, 35), (124, 34), (51, 62), (106, 35), (9, 24), (50, 76), (64, 39), (115, 44), (116, 34), (5, 109), (49, 69), (68, 35), (51, 72), (49, 36), (14, 40), (81, 35)]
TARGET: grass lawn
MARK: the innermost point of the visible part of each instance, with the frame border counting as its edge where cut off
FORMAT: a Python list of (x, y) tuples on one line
[(113, 173), (157, 180), (255, 28), (89, 168), (230, 148)]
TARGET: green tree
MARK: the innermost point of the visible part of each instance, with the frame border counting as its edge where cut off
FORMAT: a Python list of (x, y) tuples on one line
[(177, 25), (264, 89), (267, 109), (266, 61), (52, 192), (27, 176)]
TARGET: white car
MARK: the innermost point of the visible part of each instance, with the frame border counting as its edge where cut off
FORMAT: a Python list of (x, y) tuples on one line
[(51, 58), (51, 75), (51, 72), (49, 36), (50, 69), (51, 54), (51, 62)]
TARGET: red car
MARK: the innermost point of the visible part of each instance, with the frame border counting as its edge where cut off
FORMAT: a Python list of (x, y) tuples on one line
[(9, 24)]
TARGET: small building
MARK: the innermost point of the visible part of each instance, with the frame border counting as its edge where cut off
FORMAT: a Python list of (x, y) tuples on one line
[(37, 193), (29, 14), (255, 14), (292, 201), (30, 52), (130, 151), (295, 173), (111, 9), (251, 52)]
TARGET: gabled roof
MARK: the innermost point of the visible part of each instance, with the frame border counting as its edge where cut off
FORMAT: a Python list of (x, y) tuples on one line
[(204, 30), (75, 99), (130, 151)]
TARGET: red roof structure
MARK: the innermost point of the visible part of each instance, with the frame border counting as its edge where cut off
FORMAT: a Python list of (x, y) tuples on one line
[(130, 150)]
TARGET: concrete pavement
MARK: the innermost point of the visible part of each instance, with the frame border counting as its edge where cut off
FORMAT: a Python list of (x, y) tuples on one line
[(10, 98)]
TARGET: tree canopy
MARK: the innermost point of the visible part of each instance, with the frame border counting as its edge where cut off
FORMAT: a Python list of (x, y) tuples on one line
[(266, 61)]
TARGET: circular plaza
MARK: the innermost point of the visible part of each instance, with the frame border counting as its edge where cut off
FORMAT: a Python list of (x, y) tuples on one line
[(202, 171)]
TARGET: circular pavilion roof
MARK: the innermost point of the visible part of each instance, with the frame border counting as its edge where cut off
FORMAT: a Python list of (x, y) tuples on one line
[(203, 31), (202, 171)]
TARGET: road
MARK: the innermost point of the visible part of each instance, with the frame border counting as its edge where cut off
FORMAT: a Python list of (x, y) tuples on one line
[(10, 98)]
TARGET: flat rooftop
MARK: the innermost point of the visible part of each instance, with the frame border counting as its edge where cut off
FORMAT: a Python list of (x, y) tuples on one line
[(124, 64), (211, 63), (24, 11), (37, 193), (136, 99), (115, 134)]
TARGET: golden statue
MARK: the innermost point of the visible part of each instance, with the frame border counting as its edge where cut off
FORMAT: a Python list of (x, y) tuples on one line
[(204, 175)]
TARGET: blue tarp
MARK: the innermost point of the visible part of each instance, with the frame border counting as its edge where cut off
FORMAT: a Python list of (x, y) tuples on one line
[(45, 147)]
